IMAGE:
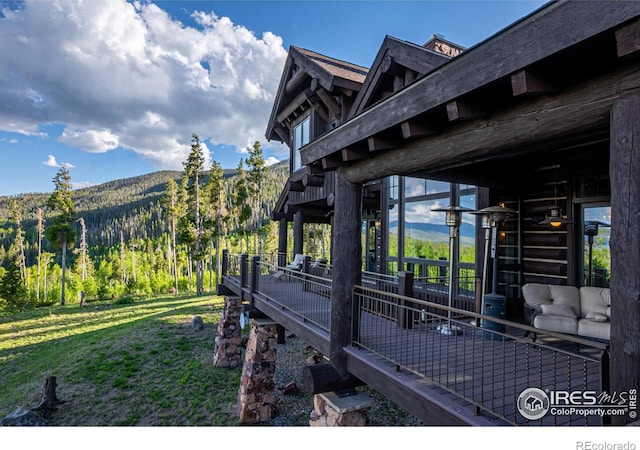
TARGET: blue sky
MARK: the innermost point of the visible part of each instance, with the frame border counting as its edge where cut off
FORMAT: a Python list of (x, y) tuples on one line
[(113, 88)]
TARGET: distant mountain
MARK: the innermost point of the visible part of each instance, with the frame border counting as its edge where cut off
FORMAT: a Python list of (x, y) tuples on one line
[(131, 206), (435, 232)]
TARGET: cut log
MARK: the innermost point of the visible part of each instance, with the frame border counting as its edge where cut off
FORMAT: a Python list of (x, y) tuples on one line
[(324, 378)]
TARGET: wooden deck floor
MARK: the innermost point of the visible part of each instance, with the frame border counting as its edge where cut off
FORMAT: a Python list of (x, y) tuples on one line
[(453, 372)]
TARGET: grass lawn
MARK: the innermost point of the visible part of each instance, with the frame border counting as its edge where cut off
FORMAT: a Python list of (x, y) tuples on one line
[(119, 365)]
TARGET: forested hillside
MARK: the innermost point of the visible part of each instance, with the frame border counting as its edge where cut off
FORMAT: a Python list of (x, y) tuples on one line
[(131, 206), (123, 235)]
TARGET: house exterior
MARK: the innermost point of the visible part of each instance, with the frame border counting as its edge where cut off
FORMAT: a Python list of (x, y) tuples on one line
[(540, 117)]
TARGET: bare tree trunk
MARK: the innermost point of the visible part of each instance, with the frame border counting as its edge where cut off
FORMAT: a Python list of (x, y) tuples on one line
[(64, 268)]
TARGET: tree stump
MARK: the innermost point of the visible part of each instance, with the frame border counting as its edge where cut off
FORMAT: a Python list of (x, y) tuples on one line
[(48, 399)]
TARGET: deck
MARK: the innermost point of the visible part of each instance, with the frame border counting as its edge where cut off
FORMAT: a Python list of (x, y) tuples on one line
[(472, 377)]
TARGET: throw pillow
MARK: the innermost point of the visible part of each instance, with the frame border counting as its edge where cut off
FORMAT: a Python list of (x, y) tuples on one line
[(597, 317), (558, 310)]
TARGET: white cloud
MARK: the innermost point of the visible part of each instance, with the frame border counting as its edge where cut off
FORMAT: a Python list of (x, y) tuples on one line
[(51, 162), (120, 74), (93, 141), (270, 161)]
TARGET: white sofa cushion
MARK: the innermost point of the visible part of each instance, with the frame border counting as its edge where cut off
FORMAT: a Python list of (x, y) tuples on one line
[(592, 329), (536, 294), (566, 295), (555, 309), (594, 299), (560, 324)]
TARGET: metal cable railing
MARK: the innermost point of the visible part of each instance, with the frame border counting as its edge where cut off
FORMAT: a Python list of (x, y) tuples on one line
[(476, 359), (308, 296)]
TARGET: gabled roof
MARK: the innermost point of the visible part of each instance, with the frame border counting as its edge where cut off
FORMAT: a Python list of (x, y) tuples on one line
[(391, 62), (300, 68)]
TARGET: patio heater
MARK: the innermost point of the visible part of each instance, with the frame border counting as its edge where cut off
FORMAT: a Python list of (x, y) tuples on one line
[(453, 218), (491, 218)]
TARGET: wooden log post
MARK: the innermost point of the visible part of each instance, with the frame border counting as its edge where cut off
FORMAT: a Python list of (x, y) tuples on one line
[(347, 267), (282, 242), (298, 232), (624, 172)]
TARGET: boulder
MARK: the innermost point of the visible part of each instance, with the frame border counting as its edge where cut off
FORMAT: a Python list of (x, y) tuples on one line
[(23, 417), (197, 323)]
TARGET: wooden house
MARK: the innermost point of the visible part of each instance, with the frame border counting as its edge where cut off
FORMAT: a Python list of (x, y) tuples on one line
[(541, 116)]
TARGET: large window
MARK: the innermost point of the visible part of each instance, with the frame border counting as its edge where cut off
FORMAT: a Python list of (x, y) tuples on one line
[(300, 138), (417, 234)]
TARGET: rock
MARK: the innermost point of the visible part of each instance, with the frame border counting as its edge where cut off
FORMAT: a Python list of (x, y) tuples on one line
[(198, 324), (291, 389), (23, 417)]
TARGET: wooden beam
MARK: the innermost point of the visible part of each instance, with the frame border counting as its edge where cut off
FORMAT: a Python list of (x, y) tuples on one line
[(295, 186), (624, 172), (331, 163), (283, 133), (510, 130), (415, 129), (296, 79), (378, 143), (523, 82), (628, 39), (329, 101), (353, 154), (347, 261), (324, 378), (313, 180), (461, 109), (317, 107)]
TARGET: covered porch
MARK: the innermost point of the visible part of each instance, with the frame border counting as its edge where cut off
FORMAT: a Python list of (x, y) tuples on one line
[(473, 377)]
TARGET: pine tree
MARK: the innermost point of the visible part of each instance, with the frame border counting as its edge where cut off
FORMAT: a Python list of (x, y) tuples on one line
[(12, 288), (257, 168), (61, 233), (192, 222)]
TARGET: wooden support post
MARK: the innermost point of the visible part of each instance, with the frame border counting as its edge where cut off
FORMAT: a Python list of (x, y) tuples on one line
[(282, 242), (321, 378), (624, 173), (347, 267), (298, 232), (406, 310)]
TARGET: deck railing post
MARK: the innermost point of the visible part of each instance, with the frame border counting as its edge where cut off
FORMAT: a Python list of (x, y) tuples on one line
[(306, 268), (255, 277), (405, 315), (225, 262), (244, 270)]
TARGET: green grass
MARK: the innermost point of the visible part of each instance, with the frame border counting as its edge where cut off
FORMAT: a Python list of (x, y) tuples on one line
[(138, 364)]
